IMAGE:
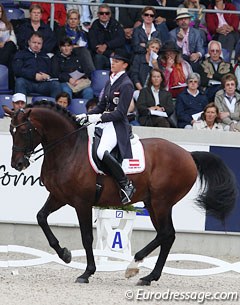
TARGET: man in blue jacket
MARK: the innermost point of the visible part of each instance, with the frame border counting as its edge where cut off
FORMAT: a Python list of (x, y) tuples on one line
[(32, 68)]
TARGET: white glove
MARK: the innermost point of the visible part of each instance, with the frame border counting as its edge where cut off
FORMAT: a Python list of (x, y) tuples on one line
[(81, 116), (94, 118)]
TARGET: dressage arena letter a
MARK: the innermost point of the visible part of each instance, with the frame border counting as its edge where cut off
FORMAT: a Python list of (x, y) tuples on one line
[(117, 241)]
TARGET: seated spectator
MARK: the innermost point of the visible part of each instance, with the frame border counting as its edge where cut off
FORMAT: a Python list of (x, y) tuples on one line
[(32, 68), (105, 36), (142, 65), (154, 104), (163, 16), (209, 119), (7, 44), (145, 32), (198, 18), (63, 99), (175, 69), (188, 38), (91, 103), (73, 30), (87, 13), (33, 24), (212, 69), (65, 64), (59, 13), (19, 101), (228, 102), (129, 18), (190, 103), (223, 27)]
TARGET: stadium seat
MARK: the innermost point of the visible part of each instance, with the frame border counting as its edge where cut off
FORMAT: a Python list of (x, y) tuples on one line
[(99, 79), (4, 89), (14, 13), (8, 3), (5, 99), (39, 98), (78, 106), (24, 5)]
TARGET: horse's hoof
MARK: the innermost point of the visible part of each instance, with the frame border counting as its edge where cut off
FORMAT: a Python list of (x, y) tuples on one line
[(130, 272), (143, 282), (67, 256), (81, 280)]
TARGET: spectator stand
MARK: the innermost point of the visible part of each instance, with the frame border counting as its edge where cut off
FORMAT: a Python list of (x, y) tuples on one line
[(99, 79), (78, 106), (4, 86), (39, 98), (14, 13), (5, 100)]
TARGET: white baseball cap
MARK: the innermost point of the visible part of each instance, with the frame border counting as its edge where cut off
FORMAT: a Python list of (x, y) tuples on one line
[(19, 97)]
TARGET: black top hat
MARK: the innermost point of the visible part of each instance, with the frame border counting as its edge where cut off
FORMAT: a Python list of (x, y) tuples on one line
[(169, 46), (121, 54)]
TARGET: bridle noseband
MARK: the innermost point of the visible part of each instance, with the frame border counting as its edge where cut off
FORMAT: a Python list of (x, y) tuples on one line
[(28, 149)]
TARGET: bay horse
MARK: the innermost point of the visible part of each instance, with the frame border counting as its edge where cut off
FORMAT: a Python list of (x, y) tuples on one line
[(169, 174)]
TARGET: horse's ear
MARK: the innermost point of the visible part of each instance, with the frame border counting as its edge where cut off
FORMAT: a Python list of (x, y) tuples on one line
[(8, 111)]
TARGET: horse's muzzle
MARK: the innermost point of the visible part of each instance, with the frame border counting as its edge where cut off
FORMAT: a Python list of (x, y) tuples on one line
[(20, 164)]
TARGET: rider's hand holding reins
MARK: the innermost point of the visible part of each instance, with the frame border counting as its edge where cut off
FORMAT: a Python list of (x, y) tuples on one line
[(91, 118), (94, 118)]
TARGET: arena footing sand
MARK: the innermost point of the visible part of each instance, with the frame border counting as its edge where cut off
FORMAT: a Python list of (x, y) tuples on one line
[(55, 284)]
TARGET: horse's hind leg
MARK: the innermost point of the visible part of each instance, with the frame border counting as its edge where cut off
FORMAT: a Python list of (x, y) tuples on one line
[(49, 207), (165, 238)]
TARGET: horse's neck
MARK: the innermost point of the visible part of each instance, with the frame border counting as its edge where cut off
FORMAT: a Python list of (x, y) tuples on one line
[(57, 131)]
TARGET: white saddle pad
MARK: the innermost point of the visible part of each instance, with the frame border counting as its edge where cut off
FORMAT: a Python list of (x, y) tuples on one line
[(130, 166)]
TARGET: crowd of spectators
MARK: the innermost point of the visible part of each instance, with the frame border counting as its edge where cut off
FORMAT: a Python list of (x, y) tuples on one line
[(181, 60)]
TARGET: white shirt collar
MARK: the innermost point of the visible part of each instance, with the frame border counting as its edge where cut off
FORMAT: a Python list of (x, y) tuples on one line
[(114, 77), (193, 94)]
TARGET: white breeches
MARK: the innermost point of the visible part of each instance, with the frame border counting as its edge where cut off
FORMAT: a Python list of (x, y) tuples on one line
[(108, 140)]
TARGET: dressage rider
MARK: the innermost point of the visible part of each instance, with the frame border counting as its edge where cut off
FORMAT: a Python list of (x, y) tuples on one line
[(110, 114)]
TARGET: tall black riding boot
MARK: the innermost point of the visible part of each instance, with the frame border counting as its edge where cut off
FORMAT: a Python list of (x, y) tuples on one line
[(116, 171)]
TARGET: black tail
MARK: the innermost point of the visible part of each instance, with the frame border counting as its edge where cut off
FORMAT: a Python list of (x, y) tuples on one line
[(219, 187)]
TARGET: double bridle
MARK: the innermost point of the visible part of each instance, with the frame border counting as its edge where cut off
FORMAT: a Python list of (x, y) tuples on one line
[(28, 149)]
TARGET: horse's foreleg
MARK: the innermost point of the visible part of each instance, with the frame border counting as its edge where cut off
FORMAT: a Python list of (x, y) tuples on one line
[(85, 222), (49, 207), (165, 238)]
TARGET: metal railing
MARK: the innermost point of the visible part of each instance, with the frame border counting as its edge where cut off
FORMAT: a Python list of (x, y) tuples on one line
[(118, 6)]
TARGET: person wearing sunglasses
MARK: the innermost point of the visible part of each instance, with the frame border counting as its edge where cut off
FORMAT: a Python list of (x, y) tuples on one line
[(105, 36), (190, 103), (213, 68), (146, 31)]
